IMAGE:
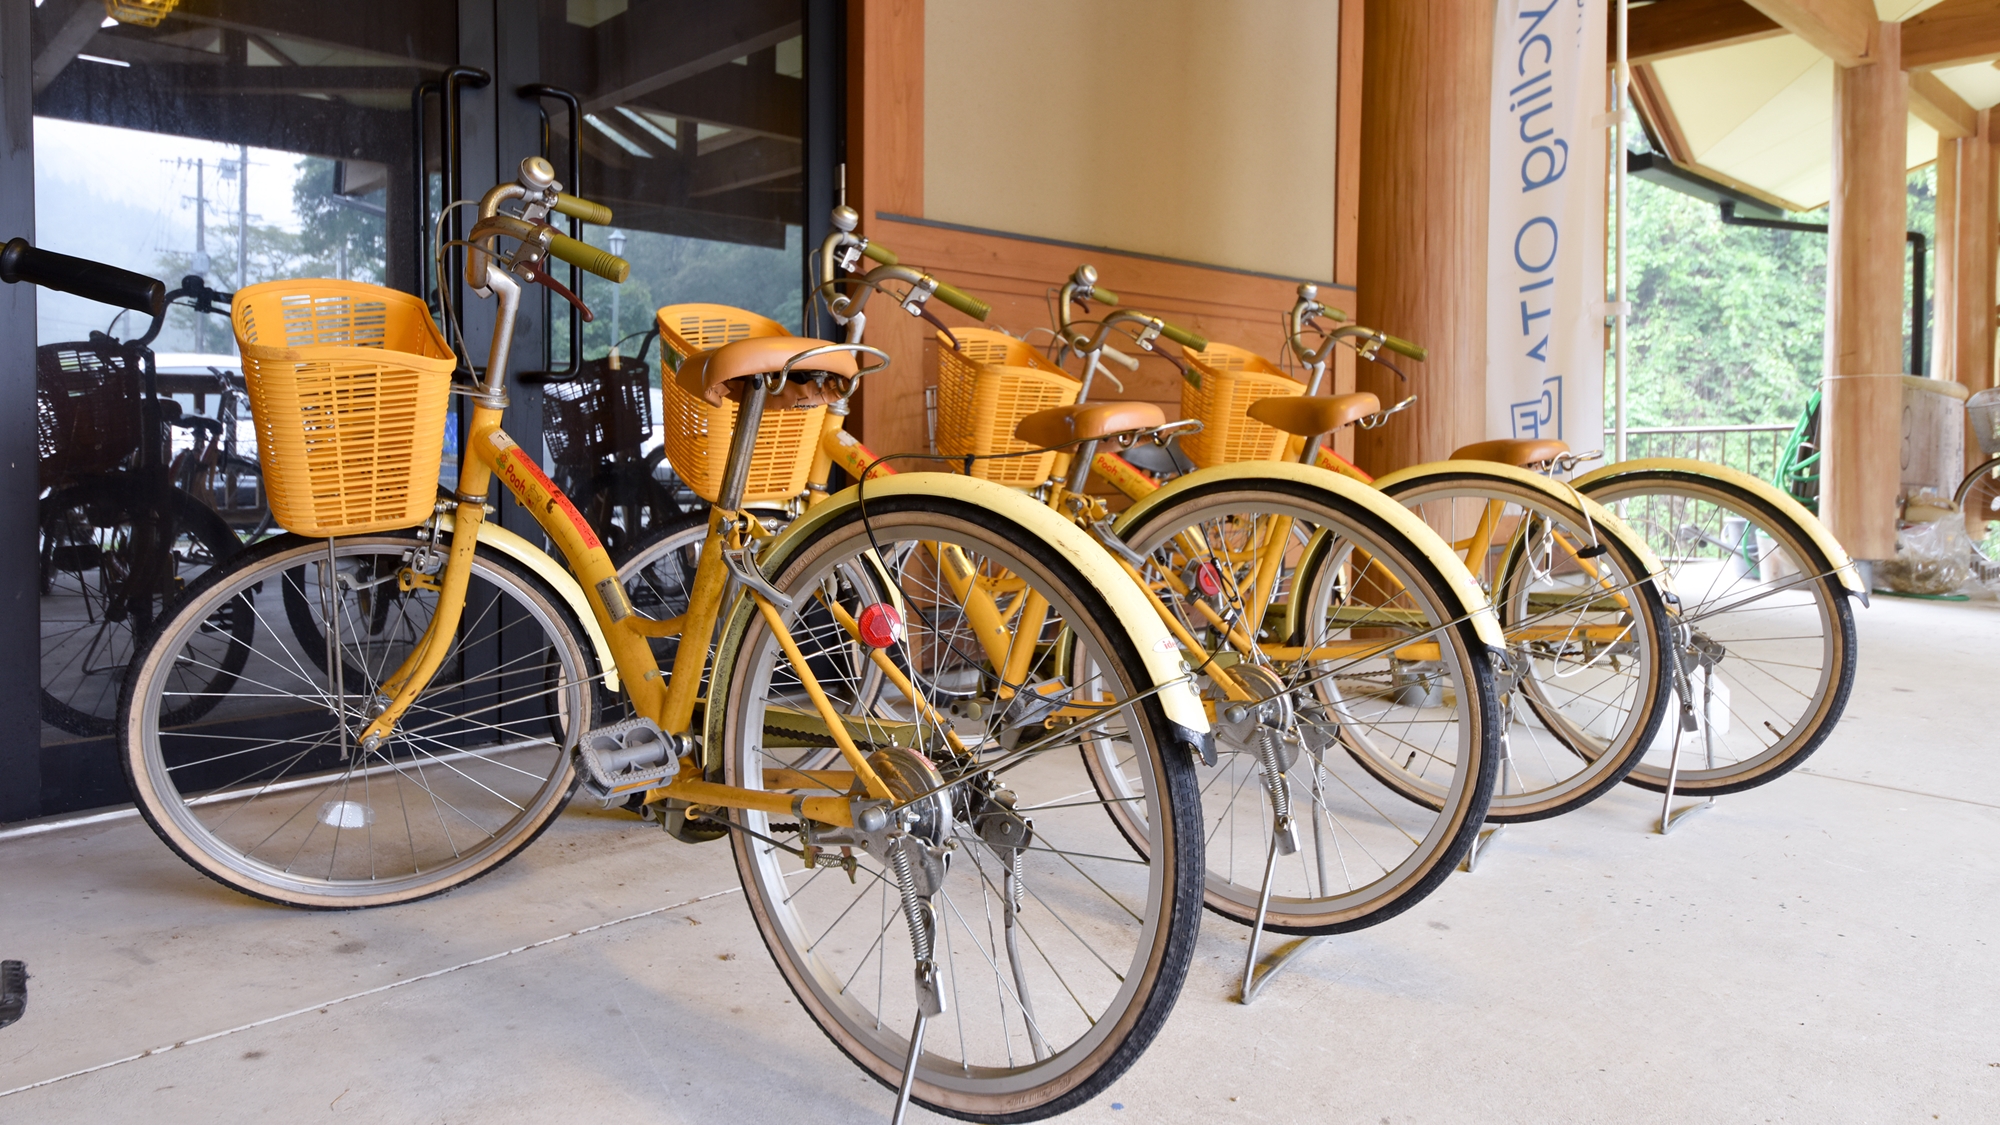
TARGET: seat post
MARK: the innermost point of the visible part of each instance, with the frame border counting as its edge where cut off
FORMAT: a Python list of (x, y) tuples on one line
[(1079, 470), (742, 445), (1309, 453)]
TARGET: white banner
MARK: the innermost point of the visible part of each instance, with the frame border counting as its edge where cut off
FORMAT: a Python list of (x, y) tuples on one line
[(1545, 271)]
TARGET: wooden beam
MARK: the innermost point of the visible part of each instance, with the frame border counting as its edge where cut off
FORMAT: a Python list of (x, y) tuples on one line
[(1954, 33), (1682, 27), (1651, 99), (1863, 407), (1842, 30), (1938, 106)]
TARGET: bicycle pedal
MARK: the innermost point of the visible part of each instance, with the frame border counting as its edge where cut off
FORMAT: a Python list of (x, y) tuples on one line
[(625, 758)]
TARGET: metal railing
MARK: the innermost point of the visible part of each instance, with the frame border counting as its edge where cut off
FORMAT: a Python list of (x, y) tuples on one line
[(1756, 450)]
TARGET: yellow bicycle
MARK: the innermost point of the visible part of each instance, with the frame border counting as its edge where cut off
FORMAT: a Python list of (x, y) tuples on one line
[(941, 888)]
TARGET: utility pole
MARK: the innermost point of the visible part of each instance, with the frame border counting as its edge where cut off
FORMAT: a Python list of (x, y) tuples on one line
[(200, 264), (242, 215)]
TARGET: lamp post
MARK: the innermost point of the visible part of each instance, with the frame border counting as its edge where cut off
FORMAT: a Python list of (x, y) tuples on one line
[(617, 240)]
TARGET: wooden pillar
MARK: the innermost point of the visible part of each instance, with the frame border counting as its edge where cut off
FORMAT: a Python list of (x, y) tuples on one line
[(1862, 416), (885, 173), (1426, 79), (1944, 262), (1972, 238), (1347, 196)]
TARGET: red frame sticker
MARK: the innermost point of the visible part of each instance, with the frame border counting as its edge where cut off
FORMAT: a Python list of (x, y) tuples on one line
[(517, 459)]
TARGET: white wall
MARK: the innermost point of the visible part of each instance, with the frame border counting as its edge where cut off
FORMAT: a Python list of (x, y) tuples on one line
[(1193, 129)]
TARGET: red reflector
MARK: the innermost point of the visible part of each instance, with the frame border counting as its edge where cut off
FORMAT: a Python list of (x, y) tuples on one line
[(1207, 578), (880, 625)]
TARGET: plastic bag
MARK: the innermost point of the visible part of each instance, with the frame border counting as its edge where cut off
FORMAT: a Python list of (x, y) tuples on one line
[(1932, 557)]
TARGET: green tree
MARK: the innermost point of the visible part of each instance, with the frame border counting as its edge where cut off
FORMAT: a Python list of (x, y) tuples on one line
[(1728, 323)]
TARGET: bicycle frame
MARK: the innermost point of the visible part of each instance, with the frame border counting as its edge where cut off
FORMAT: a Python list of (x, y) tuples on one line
[(669, 698)]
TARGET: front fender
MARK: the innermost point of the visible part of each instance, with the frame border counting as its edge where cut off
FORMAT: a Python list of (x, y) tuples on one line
[(1471, 600), (1601, 516), (1835, 555)]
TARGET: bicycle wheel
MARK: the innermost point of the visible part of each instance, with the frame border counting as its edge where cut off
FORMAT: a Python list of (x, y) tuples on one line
[(1587, 636), (1058, 952), (93, 612), (658, 575), (1979, 498), (1378, 674), (1765, 629), (269, 793)]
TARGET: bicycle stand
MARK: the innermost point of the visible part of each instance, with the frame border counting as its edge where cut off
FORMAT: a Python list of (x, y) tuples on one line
[(1669, 816), (1256, 975), (1487, 832), (1479, 842)]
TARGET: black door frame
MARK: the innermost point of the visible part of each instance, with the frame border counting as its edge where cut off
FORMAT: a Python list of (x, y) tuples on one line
[(497, 126)]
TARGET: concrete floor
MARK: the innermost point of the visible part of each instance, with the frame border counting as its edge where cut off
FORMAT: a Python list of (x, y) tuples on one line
[(1820, 950)]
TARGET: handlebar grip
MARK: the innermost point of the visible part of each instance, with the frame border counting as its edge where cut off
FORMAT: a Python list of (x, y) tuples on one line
[(1100, 293), (1404, 347), (962, 301), (880, 253), (597, 213), (603, 263), (95, 281), (1183, 337)]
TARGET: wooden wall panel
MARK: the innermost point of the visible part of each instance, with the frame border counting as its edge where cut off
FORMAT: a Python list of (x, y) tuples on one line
[(1015, 276), (885, 154)]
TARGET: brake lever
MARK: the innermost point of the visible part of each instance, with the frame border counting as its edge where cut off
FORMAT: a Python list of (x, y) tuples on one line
[(535, 274)]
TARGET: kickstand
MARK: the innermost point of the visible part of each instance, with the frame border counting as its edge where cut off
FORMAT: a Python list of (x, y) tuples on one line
[(1472, 854), (1670, 816), (910, 1070), (1488, 831), (1256, 975)]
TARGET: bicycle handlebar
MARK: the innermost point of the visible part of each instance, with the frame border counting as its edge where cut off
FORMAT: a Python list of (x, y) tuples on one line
[(1404, 347), (962, 301), (603, 263), (21, 261), (597, 214), (880, 253), (1183, 337), (1102, 295)]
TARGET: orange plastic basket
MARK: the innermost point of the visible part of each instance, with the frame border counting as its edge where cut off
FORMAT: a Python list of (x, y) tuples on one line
[(696, 435), (348, 388), (1229, 380), (985, 387), (143, 13)]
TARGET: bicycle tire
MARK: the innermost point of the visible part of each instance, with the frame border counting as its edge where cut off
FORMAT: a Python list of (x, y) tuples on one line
[(476, 770), (986, 1079), (111, 625), (1372, 883), (1978, 496), (1682, 513), (1601, 728)]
